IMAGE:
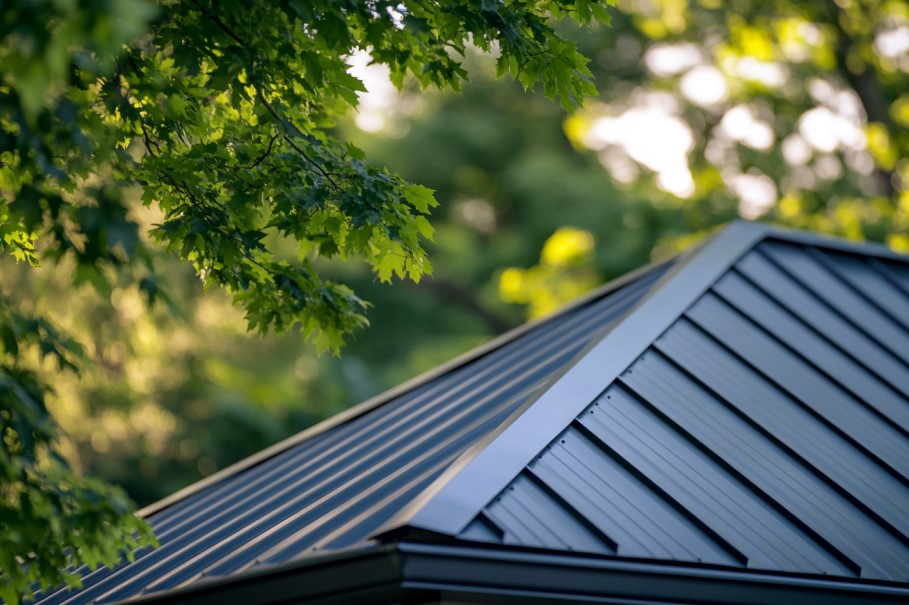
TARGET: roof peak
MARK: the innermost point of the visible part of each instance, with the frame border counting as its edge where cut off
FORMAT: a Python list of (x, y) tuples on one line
[(460, 493)]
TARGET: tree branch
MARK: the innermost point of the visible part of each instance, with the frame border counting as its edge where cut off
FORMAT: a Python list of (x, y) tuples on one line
[(265, 154), (283, 126), (221, 25)]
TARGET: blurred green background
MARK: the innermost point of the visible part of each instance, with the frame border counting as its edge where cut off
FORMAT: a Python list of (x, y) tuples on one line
[(795, 113)]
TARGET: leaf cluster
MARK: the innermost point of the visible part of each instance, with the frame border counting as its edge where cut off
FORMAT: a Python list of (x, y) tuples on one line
[(226, 123), (51, 519)]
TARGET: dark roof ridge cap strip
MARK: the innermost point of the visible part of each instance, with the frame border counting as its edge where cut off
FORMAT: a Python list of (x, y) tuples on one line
[(449, 504), (833, 243), (372, 403)]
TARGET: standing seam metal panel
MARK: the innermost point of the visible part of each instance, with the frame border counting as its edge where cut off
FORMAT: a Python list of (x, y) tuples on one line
[(771, 418), (811, 309)]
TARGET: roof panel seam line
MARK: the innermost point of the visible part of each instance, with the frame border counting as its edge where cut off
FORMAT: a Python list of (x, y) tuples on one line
[(747, 482), (887, 273), (567, 506), (837, 273), (836, 381), (835, 311), (799, 402), (711, 534), (449, 504), (887, 383)]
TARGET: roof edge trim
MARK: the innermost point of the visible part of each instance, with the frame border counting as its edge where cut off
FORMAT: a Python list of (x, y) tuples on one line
[(571, 577), (451, 502), (390, 573), (372, 403)]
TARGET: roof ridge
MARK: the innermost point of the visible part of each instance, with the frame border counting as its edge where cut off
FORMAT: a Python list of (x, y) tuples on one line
[(474, 479), (360, 409)]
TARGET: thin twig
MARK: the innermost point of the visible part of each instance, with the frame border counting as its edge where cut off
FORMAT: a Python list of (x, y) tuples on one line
[(290, 140), (267, 152), (221, 25)]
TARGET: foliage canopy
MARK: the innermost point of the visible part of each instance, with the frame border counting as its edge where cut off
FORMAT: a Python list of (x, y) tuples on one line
[(222, 114)]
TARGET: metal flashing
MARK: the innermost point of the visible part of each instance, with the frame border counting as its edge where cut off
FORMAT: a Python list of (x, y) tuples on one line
[(463, 490)]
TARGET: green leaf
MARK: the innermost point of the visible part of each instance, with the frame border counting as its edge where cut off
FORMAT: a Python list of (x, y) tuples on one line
[(420, 197)]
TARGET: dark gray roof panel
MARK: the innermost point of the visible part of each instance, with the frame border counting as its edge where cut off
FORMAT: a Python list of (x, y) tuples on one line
[(810, 270), (618, 500), (337, 488), (538, 519), (686, 478), (871, 281), (752, 456), (839, 365), (811, 309), (898, 275), (766, 428)]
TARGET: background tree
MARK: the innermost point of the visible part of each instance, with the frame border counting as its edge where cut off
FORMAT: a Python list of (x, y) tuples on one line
[(789, 112), (221, 114)]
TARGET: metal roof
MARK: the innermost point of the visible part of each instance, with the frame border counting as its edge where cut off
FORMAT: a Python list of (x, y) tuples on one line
[(742, 410)]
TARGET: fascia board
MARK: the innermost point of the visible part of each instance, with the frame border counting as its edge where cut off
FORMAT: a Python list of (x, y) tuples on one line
[(455, 498), (484, 574)]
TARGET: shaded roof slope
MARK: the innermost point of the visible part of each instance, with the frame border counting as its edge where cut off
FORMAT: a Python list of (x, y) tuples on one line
[(334, 486), (751, 412)]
